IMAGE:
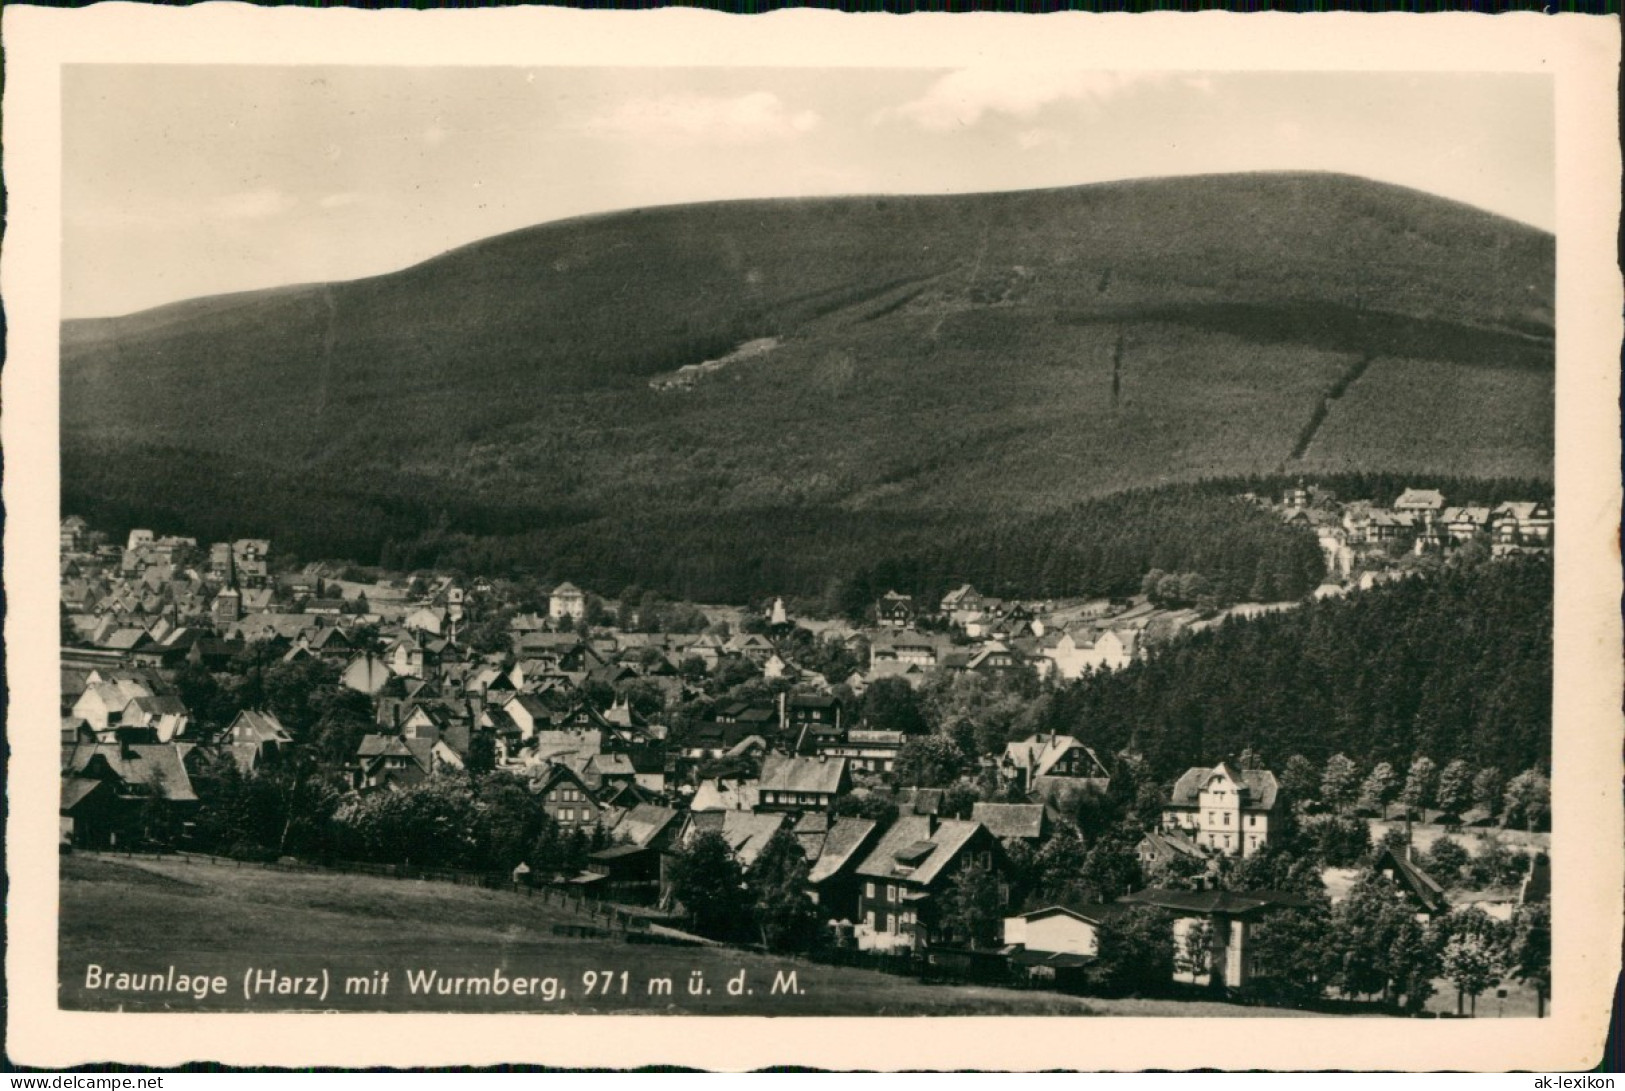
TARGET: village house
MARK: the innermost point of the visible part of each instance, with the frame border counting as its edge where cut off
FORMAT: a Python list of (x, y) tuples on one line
[(254, 737), (1463, 524), (906, 873), (122, 794), (405, 657), (907, 647), (894, 611), (632, 870), (427, 620), (102, 704), (724, 793), (165, 717), (530, 712), (1224, 809), (833, 858), (963, 605), (752, 646), (1010, 822), (249, 561), (328, 642), (865, 750), (1028, 760), (74, 533), (220, 562), (1520, 525), (1159, 848), (709, 740), (810, 710), (1393, 526), (1424, 504), (1054, 945), (993, 659), (1071, 653), (390, 761), (567, 799), (567, 601), (1420, 890), (801, 784), (746, 834), (366, 673)]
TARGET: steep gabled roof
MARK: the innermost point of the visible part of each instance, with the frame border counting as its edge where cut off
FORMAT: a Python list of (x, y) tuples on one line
[(154, 767), (724, 794), (747, 833), (1420, 498), (644, 823), (842, 844), (1412, 879), (931, 845), (555, 774), (1011, 820), (1261, 786), (260, 727), (798, 774)]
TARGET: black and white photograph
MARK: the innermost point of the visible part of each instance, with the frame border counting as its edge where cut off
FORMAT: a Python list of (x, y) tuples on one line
[(866, 540)]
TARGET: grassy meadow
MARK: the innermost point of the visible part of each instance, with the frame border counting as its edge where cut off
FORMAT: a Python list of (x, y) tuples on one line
[(148, 914)]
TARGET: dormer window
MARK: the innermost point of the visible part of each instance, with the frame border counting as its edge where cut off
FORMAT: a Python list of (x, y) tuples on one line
[(912, 856)]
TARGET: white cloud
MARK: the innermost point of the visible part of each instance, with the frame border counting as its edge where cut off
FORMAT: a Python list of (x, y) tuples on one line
[(1029, 139), (254, 204), (963, 98), (339, 200), (753, 118)]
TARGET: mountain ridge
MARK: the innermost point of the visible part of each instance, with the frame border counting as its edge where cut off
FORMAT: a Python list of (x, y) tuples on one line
[(997, 353)]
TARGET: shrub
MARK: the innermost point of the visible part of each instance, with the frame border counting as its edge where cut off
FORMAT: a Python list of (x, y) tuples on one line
[(251, 853), (1445, 859)]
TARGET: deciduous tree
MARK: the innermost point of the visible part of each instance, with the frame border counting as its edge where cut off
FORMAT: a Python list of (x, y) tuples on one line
[(785, 917), (1455, 791), (1339, 782), (707, 880)]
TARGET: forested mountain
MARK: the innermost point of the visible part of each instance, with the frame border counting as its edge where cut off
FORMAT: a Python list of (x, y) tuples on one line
[(976, 368), (1453, 665)]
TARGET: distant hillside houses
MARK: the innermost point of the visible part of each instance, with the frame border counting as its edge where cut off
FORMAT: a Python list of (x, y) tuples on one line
[(1361, 533)]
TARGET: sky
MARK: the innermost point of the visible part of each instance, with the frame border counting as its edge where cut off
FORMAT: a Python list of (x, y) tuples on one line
[(182, 181)]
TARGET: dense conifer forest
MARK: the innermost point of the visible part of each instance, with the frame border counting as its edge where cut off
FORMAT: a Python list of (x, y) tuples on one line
[(1453, 665)]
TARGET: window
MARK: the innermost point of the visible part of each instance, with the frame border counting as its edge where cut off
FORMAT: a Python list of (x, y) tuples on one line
[(1227, 818), (869, 917), (1252, 820), (869, 892)]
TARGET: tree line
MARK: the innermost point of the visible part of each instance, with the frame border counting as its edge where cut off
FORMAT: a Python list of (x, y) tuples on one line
[(1454, 666)]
